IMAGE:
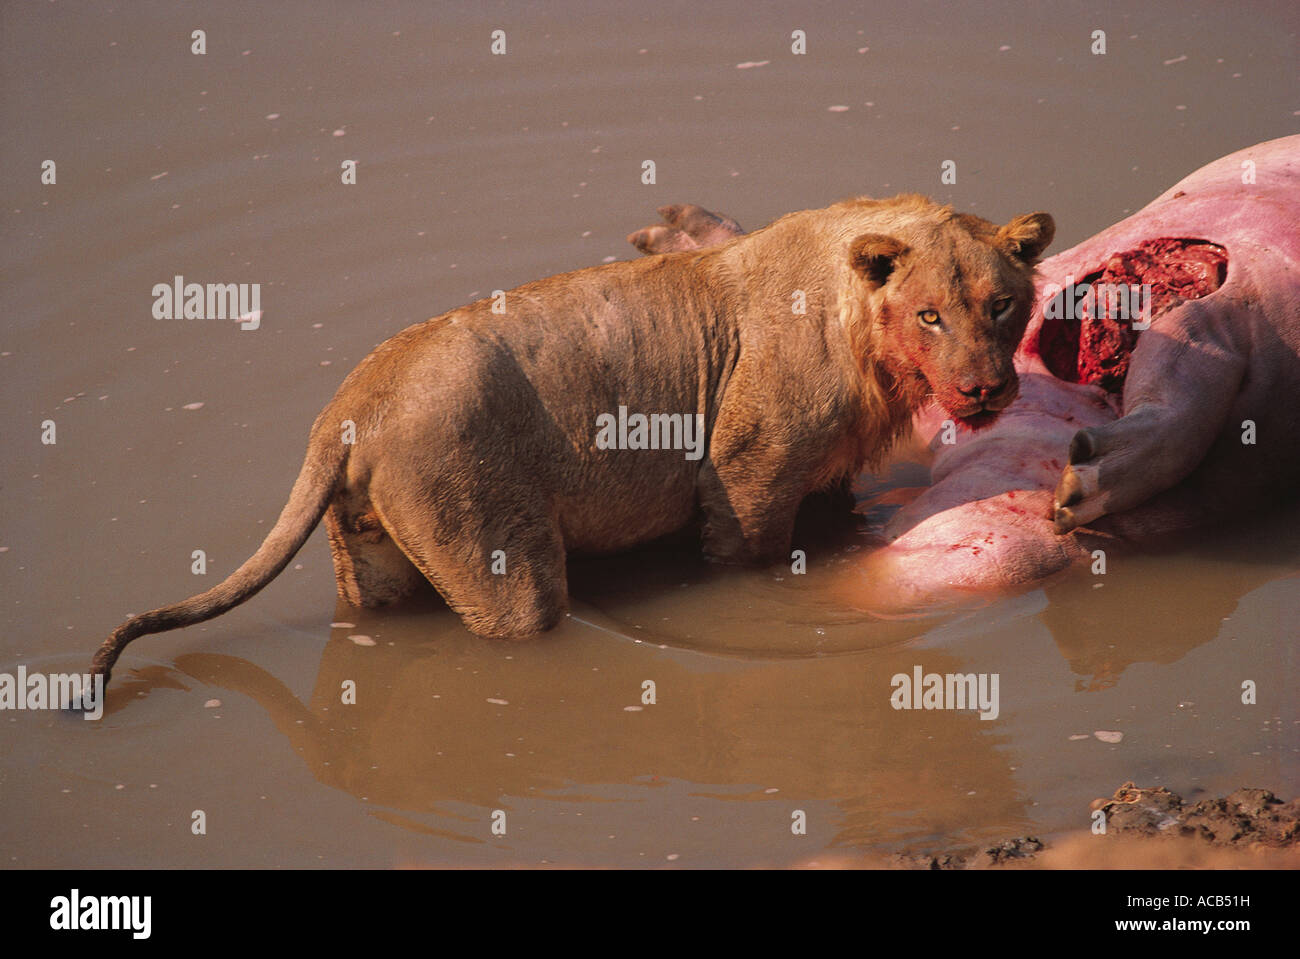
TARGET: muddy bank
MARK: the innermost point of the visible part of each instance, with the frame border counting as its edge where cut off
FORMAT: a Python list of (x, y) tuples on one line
[(1145, 829)]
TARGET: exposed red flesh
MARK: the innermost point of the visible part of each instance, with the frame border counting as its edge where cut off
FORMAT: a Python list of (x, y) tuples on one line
[(1096, 349)]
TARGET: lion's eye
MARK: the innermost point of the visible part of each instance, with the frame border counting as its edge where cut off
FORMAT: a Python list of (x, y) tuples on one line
[(929, 317), (1001, 307)]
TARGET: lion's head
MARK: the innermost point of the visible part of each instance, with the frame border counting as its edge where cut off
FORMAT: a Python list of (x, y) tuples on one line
[(948, 298)]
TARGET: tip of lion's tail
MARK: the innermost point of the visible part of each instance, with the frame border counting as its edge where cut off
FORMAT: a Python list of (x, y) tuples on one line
[(102, 666), (105, 658), (308, 501)]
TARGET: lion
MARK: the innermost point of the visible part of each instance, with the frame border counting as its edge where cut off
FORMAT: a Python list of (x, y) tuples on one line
[(600, 409)]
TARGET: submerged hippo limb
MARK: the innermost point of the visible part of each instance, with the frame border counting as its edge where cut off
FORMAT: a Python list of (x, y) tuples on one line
[(685, 227), (961, 554), (981, 528), (1180, 391)]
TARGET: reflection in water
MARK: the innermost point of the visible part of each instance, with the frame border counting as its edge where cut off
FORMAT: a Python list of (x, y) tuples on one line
[(444, 720), (1168, 601), (447, 726)]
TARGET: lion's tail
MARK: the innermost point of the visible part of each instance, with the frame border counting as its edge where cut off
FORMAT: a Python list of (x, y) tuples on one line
[(311, 495)]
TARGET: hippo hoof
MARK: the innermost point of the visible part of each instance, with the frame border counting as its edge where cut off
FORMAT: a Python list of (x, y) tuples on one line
[(648, 239), (1063, 520), (1069, 492), (673, 212), (1078, 497), (1083, 447)]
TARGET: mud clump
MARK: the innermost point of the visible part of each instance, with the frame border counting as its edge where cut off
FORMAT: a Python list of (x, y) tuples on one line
[(1145, 828), (1247, 817), (1002, 853)]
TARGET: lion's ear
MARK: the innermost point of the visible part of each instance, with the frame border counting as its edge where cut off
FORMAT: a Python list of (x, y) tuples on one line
[(1027, 236), (874, 256)]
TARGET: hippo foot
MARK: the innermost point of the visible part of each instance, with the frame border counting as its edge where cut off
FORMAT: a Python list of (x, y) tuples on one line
[(1077, 499), (685, 227)]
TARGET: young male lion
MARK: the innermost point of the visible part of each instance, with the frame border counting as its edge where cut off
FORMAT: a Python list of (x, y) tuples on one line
[(474, 449)]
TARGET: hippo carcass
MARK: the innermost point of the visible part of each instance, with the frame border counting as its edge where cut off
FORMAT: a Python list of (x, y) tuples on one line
[(1160, 377)]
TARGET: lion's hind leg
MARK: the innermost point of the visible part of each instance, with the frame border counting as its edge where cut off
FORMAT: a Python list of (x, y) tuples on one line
[(371, 569), (500, 564)]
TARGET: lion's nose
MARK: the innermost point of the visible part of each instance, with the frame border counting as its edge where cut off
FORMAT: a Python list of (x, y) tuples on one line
[(983, 392)]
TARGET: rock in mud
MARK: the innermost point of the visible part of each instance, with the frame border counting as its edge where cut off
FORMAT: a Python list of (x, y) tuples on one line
[(1152, 828), (1247, 817)]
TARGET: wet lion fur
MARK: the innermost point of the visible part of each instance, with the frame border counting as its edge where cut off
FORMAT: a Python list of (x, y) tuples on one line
[(474, 463)]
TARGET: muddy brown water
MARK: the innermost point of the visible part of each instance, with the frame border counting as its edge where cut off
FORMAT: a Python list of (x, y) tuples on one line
[(477, 172)]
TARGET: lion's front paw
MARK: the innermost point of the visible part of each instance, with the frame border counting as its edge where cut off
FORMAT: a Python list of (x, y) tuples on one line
[(735, 550), (723, 550)]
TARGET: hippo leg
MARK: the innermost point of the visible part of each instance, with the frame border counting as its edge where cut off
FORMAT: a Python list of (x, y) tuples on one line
[(1180, 389), (686, 227)]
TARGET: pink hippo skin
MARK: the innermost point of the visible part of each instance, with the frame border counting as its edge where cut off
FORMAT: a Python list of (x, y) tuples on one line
[(1119, 435)]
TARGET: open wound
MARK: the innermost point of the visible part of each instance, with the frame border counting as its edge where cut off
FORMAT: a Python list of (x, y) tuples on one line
[(1090, 327)]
